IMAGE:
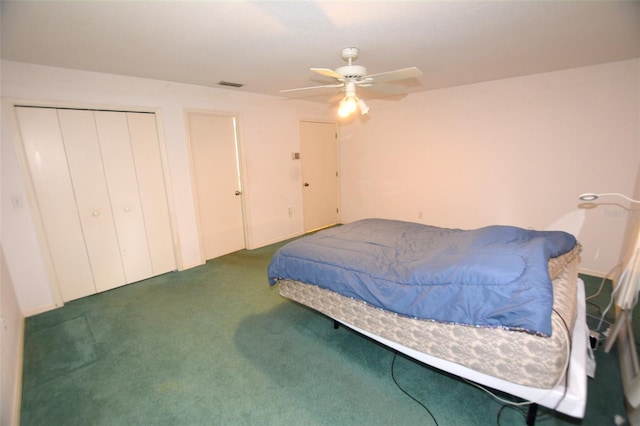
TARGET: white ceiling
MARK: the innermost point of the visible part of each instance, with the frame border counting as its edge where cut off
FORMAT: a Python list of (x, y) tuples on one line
[(270, 45)]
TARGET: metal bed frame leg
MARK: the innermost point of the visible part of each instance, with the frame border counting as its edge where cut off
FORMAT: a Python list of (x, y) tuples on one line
[(533, 407), (531, 415)]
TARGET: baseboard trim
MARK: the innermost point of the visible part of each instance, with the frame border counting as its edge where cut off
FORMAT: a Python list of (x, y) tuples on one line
[(593, 273), (279, 240), (41, 310)]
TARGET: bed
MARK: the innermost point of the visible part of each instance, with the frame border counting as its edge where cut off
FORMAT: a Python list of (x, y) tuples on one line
[(500, 306)]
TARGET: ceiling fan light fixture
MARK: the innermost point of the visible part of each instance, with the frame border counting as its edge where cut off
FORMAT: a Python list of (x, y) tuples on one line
[(348, 106), (364, 108)]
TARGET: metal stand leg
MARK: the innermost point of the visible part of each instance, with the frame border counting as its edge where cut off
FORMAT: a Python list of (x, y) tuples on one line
[(616, 330), (531, 415)]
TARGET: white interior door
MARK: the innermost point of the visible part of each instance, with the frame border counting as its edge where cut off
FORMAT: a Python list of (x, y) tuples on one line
[(215, 154), (318, 153)]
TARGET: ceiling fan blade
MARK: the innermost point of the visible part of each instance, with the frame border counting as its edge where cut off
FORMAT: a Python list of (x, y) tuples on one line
[(401, 74), (324, 86), (387, 89), (327, 72)]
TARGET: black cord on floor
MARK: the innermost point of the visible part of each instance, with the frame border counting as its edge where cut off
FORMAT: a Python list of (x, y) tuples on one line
[(566, 378), (566, 371), (393, 376), (518, 409)]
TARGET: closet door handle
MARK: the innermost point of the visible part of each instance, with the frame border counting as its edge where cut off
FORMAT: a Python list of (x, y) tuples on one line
[(127, 209), (238, 192), (95, 213)]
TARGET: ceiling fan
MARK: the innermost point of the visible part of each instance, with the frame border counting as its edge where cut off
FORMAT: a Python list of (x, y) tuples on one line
[(351, 76)]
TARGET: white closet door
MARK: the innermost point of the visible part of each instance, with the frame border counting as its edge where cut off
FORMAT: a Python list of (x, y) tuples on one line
[(99, 184), (122, 185), (148, 162), (92, 197), (47, 162)]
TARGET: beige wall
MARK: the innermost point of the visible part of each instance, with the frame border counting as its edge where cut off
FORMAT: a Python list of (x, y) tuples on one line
[(269, 133), (516, 151)]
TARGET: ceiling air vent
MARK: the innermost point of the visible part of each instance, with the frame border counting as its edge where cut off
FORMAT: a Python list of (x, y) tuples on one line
[(230, 84)]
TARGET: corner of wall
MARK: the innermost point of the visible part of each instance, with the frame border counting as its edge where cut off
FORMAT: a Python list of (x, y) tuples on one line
[(11, 347)]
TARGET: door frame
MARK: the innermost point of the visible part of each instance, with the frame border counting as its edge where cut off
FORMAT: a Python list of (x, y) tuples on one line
[(241, 173), (9, 105)]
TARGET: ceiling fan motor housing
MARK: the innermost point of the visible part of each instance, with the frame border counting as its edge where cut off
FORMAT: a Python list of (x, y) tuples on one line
[(352, 71)]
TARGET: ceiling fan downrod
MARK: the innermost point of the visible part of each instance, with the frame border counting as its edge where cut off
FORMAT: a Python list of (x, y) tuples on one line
[(349, 54)]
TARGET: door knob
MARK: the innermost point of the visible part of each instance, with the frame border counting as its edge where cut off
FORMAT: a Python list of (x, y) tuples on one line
[(238, 192), (306, 184)]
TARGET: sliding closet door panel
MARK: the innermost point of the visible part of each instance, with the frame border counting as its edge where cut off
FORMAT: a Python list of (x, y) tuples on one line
[(153, 195), (90, 187), (47, 162), (122, 185)]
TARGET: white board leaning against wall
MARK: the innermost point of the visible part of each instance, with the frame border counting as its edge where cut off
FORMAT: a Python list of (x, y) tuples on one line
[(99, 186)]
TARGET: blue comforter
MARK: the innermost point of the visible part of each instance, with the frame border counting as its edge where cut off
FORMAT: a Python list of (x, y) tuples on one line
[(493, 277)]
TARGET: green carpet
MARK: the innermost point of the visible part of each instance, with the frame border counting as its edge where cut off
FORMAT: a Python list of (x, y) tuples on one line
[(51, 353), (215, 345)]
